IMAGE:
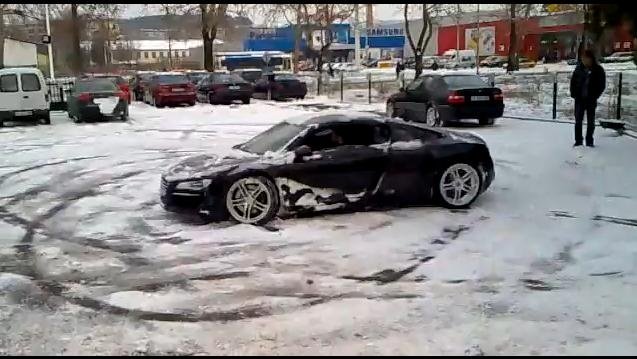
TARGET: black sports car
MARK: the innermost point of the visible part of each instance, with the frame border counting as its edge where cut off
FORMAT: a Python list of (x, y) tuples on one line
[(439, 99), (329, 162)]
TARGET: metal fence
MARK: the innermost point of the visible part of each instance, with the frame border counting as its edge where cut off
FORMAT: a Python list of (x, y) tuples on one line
[(540, 95), (59, 91)]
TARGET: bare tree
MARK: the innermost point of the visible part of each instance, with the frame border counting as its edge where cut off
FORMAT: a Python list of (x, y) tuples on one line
[(171, 15), (293, 16), (212, 16), (512, 64), (321, 17), (418, 47)]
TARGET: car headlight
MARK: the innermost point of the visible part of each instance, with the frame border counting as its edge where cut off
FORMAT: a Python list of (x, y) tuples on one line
[(196, 185)]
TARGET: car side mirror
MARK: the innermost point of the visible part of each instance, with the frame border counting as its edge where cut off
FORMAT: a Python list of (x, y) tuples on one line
[(302, 151)]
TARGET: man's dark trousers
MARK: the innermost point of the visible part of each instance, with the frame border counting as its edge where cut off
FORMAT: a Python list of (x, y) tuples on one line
[(588, 106)]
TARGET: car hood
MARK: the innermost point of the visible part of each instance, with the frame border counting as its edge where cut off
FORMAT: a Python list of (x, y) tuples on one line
[(208, 165)]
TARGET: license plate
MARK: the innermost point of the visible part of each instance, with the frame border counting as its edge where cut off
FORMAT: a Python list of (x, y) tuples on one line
[(178, 90), (479, 98), (24, 113), (234, 87), (106, 104)]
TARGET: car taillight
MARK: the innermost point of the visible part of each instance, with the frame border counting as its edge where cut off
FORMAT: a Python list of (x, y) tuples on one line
[(498, 97), (85, 97), (124, 87), (217, 87), (454, 98), (164, 88)]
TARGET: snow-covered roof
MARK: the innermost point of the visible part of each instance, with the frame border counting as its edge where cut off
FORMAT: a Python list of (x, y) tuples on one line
[(160, 45)]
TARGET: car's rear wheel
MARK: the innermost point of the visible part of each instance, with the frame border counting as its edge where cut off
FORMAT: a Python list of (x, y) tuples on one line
[(246, 100), (433, 117), (390, 109), (252, 200), (458, 185)]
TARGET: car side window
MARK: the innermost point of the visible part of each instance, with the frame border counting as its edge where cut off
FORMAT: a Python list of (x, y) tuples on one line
[(9, 83), (401, 133), (414, 85), (351, 134)]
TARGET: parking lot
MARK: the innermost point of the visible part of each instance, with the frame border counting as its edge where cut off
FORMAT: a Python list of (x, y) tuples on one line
[(543, 262)]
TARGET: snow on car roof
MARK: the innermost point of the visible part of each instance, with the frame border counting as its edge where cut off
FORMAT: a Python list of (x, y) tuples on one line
[(333, 116)]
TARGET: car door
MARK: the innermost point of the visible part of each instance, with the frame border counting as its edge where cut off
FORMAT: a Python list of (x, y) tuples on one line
[(10, 92), (33, 92), (410, 163), (339, 172), (203, 87)]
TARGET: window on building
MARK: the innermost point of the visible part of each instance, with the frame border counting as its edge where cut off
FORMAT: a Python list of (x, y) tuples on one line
[(183, 54), (145, 54), (139, 55), (161, 54), (176, 53), (627, 45), (617, 45), (154, 55)]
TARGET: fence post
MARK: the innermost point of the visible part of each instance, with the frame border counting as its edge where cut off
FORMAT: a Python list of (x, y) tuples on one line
[(619, 97), (369, 87), (555, 96), (318, 84), (402, 78), (341, 86)]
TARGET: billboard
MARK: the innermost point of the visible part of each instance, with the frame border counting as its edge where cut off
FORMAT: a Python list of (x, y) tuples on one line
[(487, 40)]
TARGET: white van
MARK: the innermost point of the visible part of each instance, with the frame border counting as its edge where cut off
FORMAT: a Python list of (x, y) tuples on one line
[(459, 59), (23, 95)]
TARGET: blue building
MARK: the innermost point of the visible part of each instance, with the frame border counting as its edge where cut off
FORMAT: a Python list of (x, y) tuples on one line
[(384, 40)]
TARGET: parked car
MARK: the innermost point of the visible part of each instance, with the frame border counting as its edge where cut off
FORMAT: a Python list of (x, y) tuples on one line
[(281, 86), (24, 95), (119, 81), (441, 99), (331, 161), (170, 88), (623, 56), (250, 75), (139, 84), (494, 61), (97, 99), (523, 63), (459, 59), (196, 76), (222, 88)]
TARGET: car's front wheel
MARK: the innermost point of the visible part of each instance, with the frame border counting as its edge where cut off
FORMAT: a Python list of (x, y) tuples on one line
[(486, 121), (252, 200), (458, 185)]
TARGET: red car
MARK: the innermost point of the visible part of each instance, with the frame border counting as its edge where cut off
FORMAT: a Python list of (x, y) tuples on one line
[(121, 83), (170, 89)]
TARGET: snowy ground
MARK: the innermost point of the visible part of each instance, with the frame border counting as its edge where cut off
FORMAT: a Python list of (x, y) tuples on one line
[(543, 263)]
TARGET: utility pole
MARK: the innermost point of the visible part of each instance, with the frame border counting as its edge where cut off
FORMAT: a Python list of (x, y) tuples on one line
[(457, 27), (478, 44), (50, 46), (357, 38)]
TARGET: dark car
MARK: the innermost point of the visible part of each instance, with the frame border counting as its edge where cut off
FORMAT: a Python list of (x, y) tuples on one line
[(119, 81), (97, 99), (281, 86), (333, 161), (222, 88), (494, 61), (139, 84), (441, 99), (196, 76), (250, 75), (170, 89)]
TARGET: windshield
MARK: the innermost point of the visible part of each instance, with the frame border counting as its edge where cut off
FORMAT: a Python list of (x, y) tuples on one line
[(172, 79), (227, 79), (464, 81), (272, 139), (117, 79), (101, 85)]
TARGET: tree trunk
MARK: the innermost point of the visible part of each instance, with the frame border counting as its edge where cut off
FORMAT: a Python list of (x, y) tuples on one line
[(512, 64), (297, 48), (75, 41), (207, 42), (418, 65)]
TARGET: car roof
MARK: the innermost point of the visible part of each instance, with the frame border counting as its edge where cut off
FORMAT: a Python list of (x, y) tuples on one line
[(21, 70)]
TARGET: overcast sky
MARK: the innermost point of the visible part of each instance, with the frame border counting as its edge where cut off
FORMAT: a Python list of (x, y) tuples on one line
[(381, 11)]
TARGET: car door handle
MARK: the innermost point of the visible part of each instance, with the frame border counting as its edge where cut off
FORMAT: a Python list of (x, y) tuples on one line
[(25, 96)]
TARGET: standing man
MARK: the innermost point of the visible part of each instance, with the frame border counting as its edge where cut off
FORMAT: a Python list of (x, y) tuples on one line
[(587, 84), (399, 68)]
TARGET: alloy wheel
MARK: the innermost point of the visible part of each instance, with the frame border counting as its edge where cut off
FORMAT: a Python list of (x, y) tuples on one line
[(432, 117), (248, 200), (459, 184)]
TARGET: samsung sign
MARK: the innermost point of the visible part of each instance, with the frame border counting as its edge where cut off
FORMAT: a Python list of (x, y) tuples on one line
[(386, 32)]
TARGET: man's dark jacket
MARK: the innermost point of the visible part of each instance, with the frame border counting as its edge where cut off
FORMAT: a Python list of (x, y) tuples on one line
[(596, 83)]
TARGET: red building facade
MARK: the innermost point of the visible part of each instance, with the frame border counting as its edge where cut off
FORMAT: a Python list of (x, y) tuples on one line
[(551, 37)]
